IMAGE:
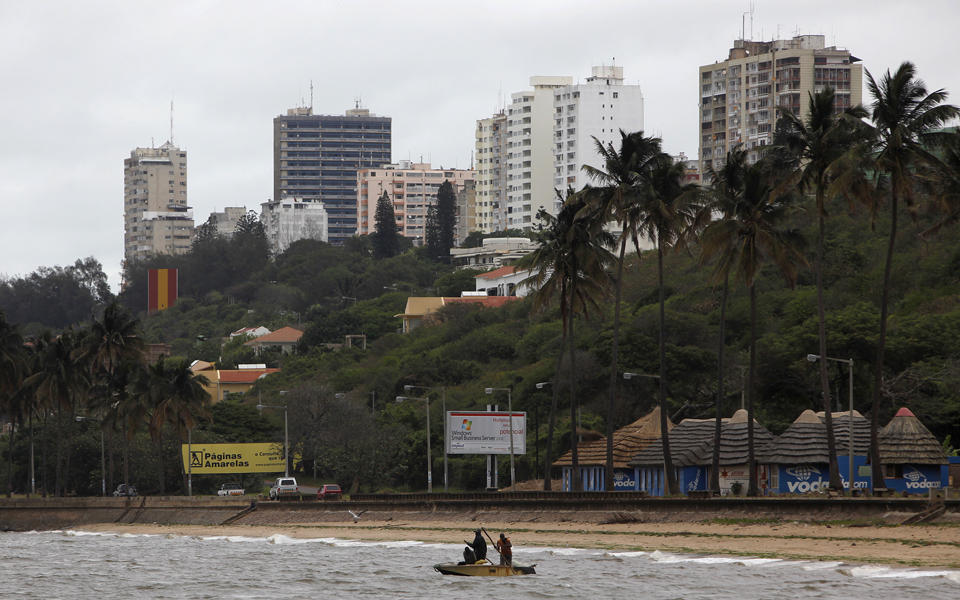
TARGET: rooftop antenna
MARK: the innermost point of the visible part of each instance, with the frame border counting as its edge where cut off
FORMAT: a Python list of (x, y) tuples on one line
[(311, 93), (358, 102)]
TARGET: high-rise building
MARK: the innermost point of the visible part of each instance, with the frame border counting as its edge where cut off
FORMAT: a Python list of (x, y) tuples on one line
[(316, 158), (156, 218), (491, 165), (530, 152), (292, 219), (739, 96), (589, 112), (227, 220), (411, 186)]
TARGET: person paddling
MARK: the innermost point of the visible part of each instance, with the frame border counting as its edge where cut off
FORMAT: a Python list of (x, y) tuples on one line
[(506, 550), (479, 546)]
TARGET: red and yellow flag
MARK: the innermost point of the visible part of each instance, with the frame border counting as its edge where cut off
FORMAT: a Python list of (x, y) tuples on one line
[(161, 289)]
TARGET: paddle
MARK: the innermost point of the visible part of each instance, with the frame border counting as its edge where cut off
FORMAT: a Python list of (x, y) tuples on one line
[(510, 564)]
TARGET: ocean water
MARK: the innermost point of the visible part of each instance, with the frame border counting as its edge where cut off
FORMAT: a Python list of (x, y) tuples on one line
[(76, 565)]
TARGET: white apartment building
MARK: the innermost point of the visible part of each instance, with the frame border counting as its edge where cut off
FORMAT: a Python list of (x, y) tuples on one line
[(291, 219), (530, 156), (156, 218), (739, 96), (412, 187), (491, 164), (598, 108)]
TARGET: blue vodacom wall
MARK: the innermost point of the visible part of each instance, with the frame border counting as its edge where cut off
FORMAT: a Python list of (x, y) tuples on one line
[(625, 480)]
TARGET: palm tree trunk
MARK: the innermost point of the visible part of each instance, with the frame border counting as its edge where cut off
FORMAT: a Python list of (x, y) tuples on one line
[(56, 488), (10, 461), (576, 483), (31, 485), (670, 477), (44, 442), (877, 475), (752, 486), (715, 467), (551, 422), (125, 443), (160, 461), (835, 481), (66, 465), (110, 467), (614, 365)]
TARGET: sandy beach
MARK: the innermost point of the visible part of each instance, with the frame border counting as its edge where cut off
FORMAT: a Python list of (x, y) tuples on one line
[(936, 546)]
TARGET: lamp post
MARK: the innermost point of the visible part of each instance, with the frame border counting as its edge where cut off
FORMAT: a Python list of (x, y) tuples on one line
[(443, 399), (429, 462), (513, 470), (536, 421), (349, 298), (286, 437), (814, 358), (103, 465), (632, 375)]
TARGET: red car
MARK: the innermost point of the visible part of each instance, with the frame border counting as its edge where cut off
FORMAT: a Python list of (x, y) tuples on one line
[(330, 492)]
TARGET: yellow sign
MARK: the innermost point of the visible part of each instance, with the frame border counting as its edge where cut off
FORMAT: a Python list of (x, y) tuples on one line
[(205, 459)]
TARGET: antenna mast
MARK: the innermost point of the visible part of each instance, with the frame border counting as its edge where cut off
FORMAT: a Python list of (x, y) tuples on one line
[(311, 94)]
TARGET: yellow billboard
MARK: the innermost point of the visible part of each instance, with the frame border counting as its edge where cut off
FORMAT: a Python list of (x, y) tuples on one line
[(206, 459)]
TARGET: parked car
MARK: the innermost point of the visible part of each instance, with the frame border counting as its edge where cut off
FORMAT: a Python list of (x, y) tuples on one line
[(230, 489), (125, 490), (330, 492), (284, 486)]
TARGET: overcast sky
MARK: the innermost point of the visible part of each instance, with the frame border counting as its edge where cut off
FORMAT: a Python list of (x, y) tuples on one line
[(83, 83)]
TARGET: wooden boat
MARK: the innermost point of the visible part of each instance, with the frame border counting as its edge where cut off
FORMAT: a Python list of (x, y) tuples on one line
[(486, 569)]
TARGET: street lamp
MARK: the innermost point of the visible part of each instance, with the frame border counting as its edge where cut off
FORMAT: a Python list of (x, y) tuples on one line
[(103, 464), (286, 437), (349, 298), (443, 399), (632, 375), (814, 358), (536, 422), (429, 462), (513, 471)]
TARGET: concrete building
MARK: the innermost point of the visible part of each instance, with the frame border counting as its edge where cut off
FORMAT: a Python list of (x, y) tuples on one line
[(316, 158), (467, 209), (292, 219), (411, 186), (738, 96), (493, 254), (598, 108), (227, 220), (156, 218), (491, 161), (530, 156)]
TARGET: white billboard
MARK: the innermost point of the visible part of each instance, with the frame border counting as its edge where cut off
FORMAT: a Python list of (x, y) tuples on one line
[(485, 432)]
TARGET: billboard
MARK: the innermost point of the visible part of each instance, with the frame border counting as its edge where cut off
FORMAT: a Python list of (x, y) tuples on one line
[(161, 289), (485, 432), (206, 459)]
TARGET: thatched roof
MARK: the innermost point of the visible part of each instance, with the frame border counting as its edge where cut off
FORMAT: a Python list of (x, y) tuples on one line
[(691, 443), (906, 441), (627, 441), (805, 441)]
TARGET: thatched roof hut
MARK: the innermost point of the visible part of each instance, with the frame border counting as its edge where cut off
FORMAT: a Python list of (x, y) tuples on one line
[(905, 441), (627, 442), (805, 441)]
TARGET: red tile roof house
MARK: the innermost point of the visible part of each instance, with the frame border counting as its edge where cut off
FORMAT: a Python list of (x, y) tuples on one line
[(285, 339), (504, 281)]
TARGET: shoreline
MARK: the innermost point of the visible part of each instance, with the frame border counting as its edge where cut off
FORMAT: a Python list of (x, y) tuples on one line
[(927, 546)]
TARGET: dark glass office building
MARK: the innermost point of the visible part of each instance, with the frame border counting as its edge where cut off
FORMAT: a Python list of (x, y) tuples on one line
[(316, 157)]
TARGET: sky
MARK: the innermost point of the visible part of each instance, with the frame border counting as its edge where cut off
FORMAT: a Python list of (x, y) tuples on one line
[(84, 83)]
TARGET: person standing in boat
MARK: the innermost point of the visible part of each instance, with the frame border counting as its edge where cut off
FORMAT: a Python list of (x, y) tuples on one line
[(506, 550), (479, 546)]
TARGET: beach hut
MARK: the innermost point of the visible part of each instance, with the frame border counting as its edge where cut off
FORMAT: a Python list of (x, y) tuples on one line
[(798, 460), (691, 448), (592, 455), (913, 460)]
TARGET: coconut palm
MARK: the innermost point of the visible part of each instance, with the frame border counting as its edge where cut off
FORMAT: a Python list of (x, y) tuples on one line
[(821, 161), (906, 119), (666, 209), (569, 264), (616, 194), (749, 234)]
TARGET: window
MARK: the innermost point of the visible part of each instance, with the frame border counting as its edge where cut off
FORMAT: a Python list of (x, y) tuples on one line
[(616, 94)]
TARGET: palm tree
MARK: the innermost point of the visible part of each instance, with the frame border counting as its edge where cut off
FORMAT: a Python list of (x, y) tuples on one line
[(944, 187), (821, 162), (114, 343), (721, 199), (905, 119), (749, 234), (617, 195), (665, 211), (12, 367), (569, 263)]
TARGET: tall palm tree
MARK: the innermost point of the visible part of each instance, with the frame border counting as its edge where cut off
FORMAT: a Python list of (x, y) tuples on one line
[(748, 235), (720, 201), (905, 122), (617, 195), (568, 264), (114, 342), (666, 209), (822, 163)]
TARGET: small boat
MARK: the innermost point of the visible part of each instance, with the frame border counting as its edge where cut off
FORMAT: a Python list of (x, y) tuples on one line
[(485, 568)]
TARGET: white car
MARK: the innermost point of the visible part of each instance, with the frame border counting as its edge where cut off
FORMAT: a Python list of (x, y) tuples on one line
[(230, 489), (284, 486)]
